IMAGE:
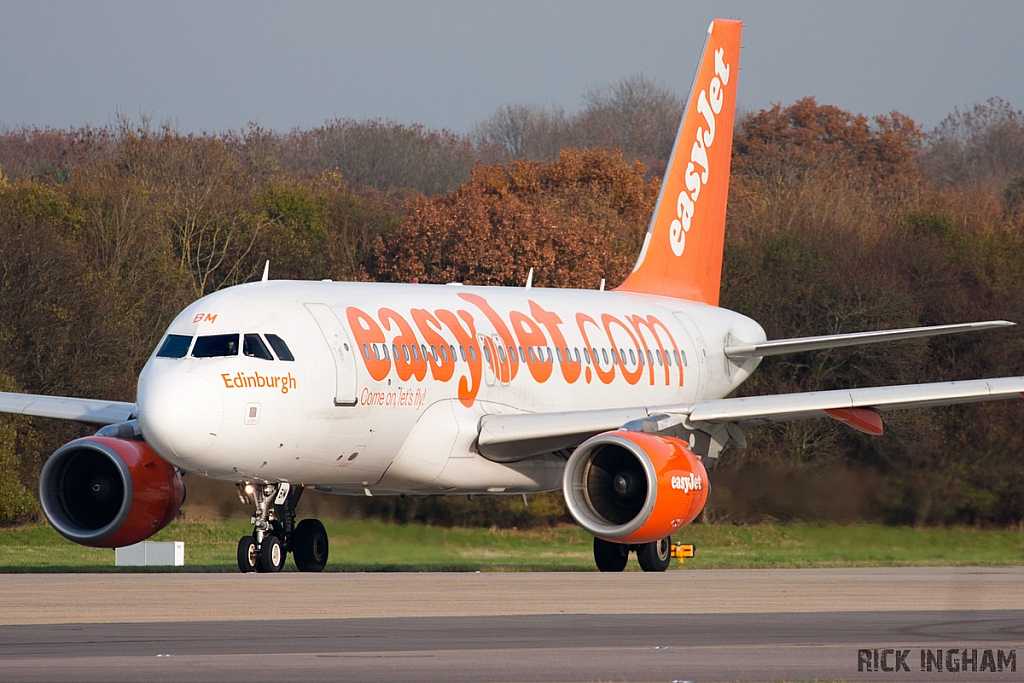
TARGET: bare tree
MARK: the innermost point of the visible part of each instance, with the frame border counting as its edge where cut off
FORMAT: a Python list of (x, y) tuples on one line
[(980, 148)]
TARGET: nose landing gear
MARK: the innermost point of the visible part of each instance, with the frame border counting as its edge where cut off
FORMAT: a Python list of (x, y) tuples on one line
[(275, 532)]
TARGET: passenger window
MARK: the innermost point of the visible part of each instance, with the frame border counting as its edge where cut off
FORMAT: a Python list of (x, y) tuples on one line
[(280, 348), (451, 348), (472, 353), (487, 354), (604, 354), (512, 354), (444, 354), (682, 354), (433, 352), (366, 352), (415, 353), (586, 355), (405, 353), (501, 353), (533, 356), (657, 352), (558, 352), (576, 353), (216, 345), (254, 347), (175, 346), (632, 357)]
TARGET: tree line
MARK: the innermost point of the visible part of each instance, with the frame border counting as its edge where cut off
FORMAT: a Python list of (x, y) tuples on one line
[(837, 222)]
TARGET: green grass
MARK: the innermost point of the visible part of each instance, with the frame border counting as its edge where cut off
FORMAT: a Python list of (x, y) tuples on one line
[(373, 546)]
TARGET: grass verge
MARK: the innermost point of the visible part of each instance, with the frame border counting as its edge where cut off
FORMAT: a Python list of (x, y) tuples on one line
[(366, 545)]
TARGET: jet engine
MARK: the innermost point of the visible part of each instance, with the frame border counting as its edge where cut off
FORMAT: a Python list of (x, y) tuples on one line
[(109, 492), (634, 487)]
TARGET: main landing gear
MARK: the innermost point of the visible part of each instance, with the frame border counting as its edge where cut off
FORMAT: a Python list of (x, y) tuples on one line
[(653, 557), (275, 532)]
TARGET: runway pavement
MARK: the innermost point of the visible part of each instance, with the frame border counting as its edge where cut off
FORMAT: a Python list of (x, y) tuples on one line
[(682, 625)]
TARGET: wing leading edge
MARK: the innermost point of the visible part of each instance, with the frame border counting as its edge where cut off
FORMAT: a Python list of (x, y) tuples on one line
[(87, 410)]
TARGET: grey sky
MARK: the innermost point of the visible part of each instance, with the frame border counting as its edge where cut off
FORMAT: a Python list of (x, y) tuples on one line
[(449, 63)]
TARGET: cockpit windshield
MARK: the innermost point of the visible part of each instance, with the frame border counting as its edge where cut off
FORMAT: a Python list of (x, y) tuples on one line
[(280, 348), (175, 346), (216, 345), (253, 346), (224, 345)]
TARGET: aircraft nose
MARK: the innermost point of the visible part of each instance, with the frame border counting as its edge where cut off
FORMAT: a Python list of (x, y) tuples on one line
[(180, 414)]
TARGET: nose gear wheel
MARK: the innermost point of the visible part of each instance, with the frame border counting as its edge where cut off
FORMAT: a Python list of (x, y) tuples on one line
[(275, 532)]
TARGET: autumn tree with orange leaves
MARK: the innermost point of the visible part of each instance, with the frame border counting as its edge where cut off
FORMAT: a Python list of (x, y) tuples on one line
[(574, 221)]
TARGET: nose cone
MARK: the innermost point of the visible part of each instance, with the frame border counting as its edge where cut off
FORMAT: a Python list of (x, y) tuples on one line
[(180, 414)]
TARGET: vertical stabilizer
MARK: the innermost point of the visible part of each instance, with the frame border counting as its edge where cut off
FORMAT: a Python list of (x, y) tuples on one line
[(682, 252)]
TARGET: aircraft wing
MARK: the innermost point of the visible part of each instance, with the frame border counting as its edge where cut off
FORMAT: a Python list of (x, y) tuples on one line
[(87, 410), (752, 410), (514, 436)]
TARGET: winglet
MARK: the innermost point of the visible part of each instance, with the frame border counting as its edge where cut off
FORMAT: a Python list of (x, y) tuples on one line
[(682, 252)]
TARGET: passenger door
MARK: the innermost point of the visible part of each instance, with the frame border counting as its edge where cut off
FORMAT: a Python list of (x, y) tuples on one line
[(342, 351)]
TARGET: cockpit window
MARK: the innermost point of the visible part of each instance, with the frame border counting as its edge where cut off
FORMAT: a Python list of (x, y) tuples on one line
[(280, 348), (216, 345), (175, 346), (253, 346)]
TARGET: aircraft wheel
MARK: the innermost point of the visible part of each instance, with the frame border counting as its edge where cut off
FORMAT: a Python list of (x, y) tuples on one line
[(247, 554), (610, 557), (272, 555), (655, 556), (309, 546)]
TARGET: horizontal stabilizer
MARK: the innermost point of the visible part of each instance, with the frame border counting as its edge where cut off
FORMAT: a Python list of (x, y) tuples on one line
[(87, 410), (777, 347)]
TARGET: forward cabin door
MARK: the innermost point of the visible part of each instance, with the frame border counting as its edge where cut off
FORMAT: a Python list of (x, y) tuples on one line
[(342, 351)]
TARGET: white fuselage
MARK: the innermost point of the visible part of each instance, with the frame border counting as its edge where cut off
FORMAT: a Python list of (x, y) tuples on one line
[(348, 416)]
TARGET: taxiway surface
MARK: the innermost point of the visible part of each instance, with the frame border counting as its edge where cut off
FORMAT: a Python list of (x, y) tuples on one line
[(682, 625)]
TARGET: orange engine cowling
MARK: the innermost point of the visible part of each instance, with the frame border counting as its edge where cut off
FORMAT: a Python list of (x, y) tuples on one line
[(633, 487), (109, 492)]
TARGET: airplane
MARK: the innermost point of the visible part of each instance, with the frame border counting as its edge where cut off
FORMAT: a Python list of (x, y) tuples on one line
[(616, 397)]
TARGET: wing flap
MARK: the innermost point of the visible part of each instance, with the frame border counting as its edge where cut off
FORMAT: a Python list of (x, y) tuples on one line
[(87, 410)]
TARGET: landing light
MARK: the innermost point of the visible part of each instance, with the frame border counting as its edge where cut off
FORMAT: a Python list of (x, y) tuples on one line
[(250, 489)]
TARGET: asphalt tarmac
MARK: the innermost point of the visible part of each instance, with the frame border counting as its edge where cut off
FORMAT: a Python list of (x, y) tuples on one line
[(701, 625)]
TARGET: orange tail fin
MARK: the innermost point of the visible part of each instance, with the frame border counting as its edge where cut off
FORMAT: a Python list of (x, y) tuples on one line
[(682, 252)]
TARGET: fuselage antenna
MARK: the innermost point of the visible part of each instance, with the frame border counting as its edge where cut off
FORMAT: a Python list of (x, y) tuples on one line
[(266, 271), (529, 279), (602, 284)]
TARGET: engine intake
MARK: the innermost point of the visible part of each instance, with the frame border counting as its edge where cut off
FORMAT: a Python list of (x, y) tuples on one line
[(109, 492), (633, 487)]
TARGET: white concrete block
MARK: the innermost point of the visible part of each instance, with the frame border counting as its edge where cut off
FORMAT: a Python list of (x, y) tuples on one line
[(151, 554)]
